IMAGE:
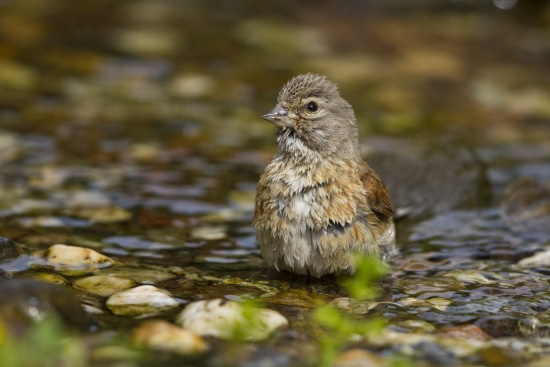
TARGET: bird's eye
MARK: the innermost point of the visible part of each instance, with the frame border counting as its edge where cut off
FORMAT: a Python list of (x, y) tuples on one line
[(312, 106)]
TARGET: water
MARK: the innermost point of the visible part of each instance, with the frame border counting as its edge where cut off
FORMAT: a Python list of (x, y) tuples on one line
[(133, 129)]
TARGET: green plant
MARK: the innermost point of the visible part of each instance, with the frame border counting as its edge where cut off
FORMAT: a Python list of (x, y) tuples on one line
[(250, 325), (46, 344), (342, 326), (370, 269)]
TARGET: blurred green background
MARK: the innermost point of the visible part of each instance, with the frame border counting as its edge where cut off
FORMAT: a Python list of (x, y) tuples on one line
[(196, 72)]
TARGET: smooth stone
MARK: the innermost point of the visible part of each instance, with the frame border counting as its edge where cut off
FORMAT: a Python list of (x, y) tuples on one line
[(499, 326), (48, 277), (63, 257), (221, 318), (144, 299), (435, 302), (466, 332), (162, 335), (539, 259), (297, 298), (138, 275), (473, 276), (103, 285)]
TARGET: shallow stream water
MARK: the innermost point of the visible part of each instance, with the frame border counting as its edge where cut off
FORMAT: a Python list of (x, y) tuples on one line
[(133, 128)]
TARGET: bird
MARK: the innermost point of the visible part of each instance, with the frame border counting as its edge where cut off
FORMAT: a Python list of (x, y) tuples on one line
[(318, 203)]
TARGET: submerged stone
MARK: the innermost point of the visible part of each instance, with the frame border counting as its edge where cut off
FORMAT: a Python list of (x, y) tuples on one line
[(103, 285), (468, 331), (226, 319), (164, 336), (539, 259), (499, 326), (473, 276), (144, 299), (48, 277), (297, 298), (435, 302), (138, 275)]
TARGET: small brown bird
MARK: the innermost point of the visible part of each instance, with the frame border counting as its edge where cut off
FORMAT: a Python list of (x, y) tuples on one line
[(317, 201)]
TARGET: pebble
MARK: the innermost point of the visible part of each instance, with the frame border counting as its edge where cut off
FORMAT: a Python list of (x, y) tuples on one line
[(144, 299), (221, 318), (465, 332), (103, 285), (75, 259), (48, 277), (138, 275), (162, 335), (538, 259)]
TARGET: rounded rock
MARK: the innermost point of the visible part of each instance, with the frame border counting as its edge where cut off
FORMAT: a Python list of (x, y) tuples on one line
[(48, 277), (63, 257), (162, 335), (103, 285), (222, 319), (144, 299)]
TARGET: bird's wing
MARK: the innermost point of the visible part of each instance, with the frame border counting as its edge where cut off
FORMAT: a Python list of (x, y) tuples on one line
[(378, 196)]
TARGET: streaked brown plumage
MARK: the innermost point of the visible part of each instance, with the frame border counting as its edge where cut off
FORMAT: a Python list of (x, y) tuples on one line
[(317, 201)]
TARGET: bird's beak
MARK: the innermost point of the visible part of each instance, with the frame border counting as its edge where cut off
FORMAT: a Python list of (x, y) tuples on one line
[(278, 116)]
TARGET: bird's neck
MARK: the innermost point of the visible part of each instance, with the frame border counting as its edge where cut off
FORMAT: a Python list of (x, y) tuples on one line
[(302, 167), (301, 175), (296, 152)]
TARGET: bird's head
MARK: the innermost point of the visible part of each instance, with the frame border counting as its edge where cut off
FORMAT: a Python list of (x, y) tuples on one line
[(311, 112)]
